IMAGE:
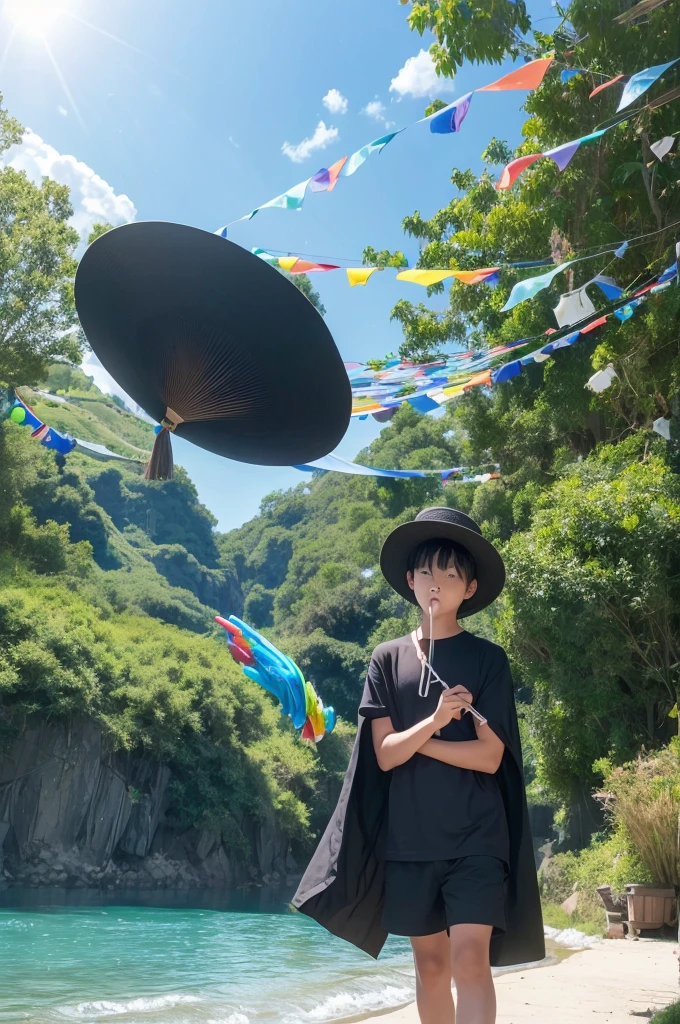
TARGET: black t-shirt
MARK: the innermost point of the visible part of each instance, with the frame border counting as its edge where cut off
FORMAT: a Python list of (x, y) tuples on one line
[(438, 811)]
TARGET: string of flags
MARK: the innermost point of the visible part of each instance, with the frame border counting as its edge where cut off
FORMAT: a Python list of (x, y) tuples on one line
[(334, 463), (442, 122), (379, 388), (450, 119), (523, 290), (17, 411)]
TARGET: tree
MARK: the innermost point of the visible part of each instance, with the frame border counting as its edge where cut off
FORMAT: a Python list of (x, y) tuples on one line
[(304, 285), (37, 268), (485, 31)]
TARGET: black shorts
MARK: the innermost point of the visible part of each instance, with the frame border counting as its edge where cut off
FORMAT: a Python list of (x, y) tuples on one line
[(426, 897)]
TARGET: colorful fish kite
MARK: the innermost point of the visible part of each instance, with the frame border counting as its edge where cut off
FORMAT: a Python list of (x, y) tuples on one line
[(277, 673)]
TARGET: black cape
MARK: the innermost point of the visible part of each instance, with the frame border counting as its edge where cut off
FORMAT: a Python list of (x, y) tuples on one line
[(343, 887)]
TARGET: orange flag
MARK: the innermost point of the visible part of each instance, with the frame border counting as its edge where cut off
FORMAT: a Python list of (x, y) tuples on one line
[(334, 171), (480, 378), (474, 276), (529, 76), (605, 85)]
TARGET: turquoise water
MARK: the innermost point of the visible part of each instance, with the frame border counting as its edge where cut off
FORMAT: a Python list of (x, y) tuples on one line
[(182, 965), (85, 958)]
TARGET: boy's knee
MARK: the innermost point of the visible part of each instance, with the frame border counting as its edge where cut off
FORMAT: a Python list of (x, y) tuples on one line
[(469, 963), (433, 969)]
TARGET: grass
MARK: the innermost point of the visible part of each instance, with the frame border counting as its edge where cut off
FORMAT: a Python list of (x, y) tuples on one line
[(670, 1015), (555, 917)]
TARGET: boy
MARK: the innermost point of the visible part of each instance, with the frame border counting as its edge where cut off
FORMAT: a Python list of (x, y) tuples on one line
[(431, 838)]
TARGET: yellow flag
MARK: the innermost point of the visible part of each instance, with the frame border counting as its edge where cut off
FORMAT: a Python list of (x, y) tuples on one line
[(424, 277), (287, 262), (359, 275)]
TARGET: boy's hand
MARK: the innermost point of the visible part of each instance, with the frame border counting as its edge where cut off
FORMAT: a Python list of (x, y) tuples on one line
[(453, 703)]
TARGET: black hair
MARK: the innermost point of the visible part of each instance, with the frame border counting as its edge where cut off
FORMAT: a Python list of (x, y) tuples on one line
[(447, 551)]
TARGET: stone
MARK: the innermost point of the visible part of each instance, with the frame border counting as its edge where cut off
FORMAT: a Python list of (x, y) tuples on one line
[(570, 905), (72, 811)]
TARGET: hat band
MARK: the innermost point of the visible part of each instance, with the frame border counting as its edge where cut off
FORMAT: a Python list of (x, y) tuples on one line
[(171, 420)]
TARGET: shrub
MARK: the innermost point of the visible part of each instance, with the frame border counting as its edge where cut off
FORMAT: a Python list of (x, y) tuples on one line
[(669, 1015), (645, 806)]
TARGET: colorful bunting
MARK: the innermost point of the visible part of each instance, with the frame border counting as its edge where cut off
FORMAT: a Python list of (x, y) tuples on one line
[(336, 464), (529, 76), (663, 147), (560, 154), (602, 379), (442, 122), (326, 179), (359, 275), (640, 83), (450, 119), (424, 277), (531, 286), (606, 85), (357, 159), (290, 200)]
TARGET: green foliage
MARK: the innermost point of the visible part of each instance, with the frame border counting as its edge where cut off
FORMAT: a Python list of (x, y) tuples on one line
[(37, 267), (644, 797), (591, 619), (486, 31), (175, 696), (384, 258), (304, 285), (669, 1015)]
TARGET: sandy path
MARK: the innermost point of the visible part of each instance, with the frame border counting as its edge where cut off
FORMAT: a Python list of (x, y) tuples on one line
[(608, 982)]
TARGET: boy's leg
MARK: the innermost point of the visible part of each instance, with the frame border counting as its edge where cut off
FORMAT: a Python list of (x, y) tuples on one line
[(434, 998), (475, 994)]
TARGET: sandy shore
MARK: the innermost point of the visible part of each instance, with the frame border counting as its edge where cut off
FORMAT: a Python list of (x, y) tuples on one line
[(608, 982)]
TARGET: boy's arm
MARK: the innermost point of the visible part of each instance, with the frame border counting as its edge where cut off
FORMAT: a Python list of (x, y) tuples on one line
[(481, 755), (393, 748)]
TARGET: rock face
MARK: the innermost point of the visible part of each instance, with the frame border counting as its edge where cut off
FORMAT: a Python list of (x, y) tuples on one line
[(74, 814)]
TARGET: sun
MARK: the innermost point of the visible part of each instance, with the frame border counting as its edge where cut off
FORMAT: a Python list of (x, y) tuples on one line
[(32, 17)]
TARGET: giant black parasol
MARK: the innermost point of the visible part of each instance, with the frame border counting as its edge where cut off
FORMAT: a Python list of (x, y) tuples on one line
[(214, 344)]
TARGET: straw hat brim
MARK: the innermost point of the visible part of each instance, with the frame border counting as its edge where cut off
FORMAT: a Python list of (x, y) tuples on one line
[(186, 320), (489, 567)]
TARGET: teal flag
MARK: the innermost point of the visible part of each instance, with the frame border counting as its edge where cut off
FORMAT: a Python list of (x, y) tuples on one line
[(358, 158), (524, 290)]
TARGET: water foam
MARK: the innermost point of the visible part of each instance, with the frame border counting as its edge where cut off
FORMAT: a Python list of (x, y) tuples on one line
[(570, 937), (351, 1004), (106, 1007), (233, 1018)]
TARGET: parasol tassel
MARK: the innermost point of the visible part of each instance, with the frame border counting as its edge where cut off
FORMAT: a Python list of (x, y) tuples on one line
[(160, 466)]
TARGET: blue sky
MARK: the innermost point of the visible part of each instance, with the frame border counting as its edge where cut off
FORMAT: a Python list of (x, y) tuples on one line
[(185, 112)]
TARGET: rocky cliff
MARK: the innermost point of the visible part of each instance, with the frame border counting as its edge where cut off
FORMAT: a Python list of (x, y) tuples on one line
[(74, 814)]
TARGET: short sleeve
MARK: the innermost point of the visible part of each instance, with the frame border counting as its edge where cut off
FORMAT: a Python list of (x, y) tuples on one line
[(374, 699)]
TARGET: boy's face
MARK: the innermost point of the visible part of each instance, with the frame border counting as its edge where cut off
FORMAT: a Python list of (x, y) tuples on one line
[(444, 589)]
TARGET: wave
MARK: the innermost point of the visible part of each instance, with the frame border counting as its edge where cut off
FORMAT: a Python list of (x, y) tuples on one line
[(142, 1004), (352, 1004)]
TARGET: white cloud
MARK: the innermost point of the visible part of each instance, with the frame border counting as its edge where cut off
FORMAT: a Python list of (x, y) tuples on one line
[(335, 102), (62, 110), (376, 109), (418, 78), (321, 138), (92, 198)]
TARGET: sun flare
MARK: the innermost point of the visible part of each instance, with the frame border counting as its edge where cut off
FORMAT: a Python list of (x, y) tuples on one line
[(32, 17)]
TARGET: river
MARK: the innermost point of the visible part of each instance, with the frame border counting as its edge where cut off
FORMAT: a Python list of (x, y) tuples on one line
[(202, 957)]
